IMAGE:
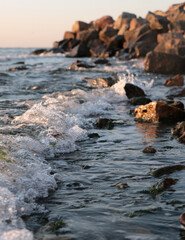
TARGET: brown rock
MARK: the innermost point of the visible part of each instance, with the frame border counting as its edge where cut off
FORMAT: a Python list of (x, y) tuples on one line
[(124, 18), (176, 12), (102, 61), (159, 111), (98, 49), (107, 33), (79, 26), (157, 22), (81, 50), (178, 104), (149, 149), (122, 185), (115, 43), (141, 48), (133, 91), (87, 35), (165, 63), (103, 22), (137, 22), (179, 129), (101, 82), (69, 35), (80, 64), (181, 139), (177, 80)]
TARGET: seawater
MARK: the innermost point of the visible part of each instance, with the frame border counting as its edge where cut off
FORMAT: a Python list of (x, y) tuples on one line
[(50, 169)]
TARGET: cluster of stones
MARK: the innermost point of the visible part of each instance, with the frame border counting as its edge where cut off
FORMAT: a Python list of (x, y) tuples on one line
[(159, 37)]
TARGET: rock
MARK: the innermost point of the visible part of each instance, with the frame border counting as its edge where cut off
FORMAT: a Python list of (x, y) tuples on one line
[(157, 22), (178, 104), (149, 149), (177, 80), (159, 111), (39, 51), (79, 26), (21, 68), (162, 186), (123, 29), (80, 64), (69, 35), (176, 12), (178, 26), (124, 18), (122, 185), (87, 35), (167, 170), (115, 43), (137, 22), (133, 91), (139, 100), (103, 22), (80, 50), (68, 44), (158, 62), (142, 48), (179, 129), (101, 82), (93, 135), (182, 220), (98, 49), (107, 33), (181, 139), (102, 61), (56, 50), (104, 123)]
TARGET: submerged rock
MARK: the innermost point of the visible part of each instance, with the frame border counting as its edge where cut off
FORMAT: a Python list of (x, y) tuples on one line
[(21, 68), (139, 100), (159, 111), (162, 186), (101, 82), (133, 91), (122, 185), (104, 123), (167, 170), (149, 149), (39, 51), (102, 61), (177, 80), (80, 64)]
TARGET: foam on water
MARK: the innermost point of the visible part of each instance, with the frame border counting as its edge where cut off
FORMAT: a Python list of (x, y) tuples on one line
[(50, 127)]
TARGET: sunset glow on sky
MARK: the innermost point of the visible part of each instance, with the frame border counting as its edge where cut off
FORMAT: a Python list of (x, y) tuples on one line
[(38, 23)]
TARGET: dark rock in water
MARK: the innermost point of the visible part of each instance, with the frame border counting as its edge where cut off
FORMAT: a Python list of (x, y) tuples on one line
[(93, 135), (39, 51), (162, 186), (102, 61), (157, 22), (80, 64), (159, 111), (178, 104), (139, 100), (21, 68), (177, 80), (179, 129), (19, 63), (182, 220), (104, 123), (103, 22), (158, 62), (122, 185), (80, 50), (98, 49), (56, 50), (167, 170), (133, 91), (101, 82), (149, 149)]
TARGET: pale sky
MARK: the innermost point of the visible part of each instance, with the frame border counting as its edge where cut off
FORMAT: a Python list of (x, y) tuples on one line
[(38, 23)]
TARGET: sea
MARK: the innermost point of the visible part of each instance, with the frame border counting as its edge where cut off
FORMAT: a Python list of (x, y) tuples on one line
[(61, 177)]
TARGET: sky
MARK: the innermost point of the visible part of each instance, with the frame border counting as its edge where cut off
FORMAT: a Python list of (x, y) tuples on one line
[(38, 23)]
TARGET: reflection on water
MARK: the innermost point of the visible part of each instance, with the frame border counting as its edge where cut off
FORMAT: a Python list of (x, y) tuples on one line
[(149, 130)]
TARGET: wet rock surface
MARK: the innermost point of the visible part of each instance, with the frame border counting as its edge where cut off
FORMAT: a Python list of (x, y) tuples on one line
[(133, 91)]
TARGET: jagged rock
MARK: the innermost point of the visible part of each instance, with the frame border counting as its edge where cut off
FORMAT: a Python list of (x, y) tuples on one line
[(142, 48), (87, 35), (137, 22), (133, 91), (81, 50), (124, 18), (176, 12), (79, 26), (98, 49), (149, 149), (101, 82), (178, 26), (158, 62), (115, 43), (39, 51), (177, 80), (139, 100), (179, 129), (68, 44), (107, 33), (103, 22), (159, 111), (157, 22), (69, 35), (80, 64)]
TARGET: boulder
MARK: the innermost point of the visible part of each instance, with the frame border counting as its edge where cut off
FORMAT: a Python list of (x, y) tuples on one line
[(123, 29), (157, 22), (149, 149), (68, 44), (103, 22), (139, 100), (107, 33), (104, 123), (115, 43), (178, 26), (98, 49), (176, 12), (124, 18), (101, 82), (158, 62), (137, 22), (179, 131), (80, 64), (69, 35), (81, 50), (177, 80), (167, 170), (132, 90), (39, 51), (159, 111), (102, 61), (142, 48), (87, 35), (79, 26)]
